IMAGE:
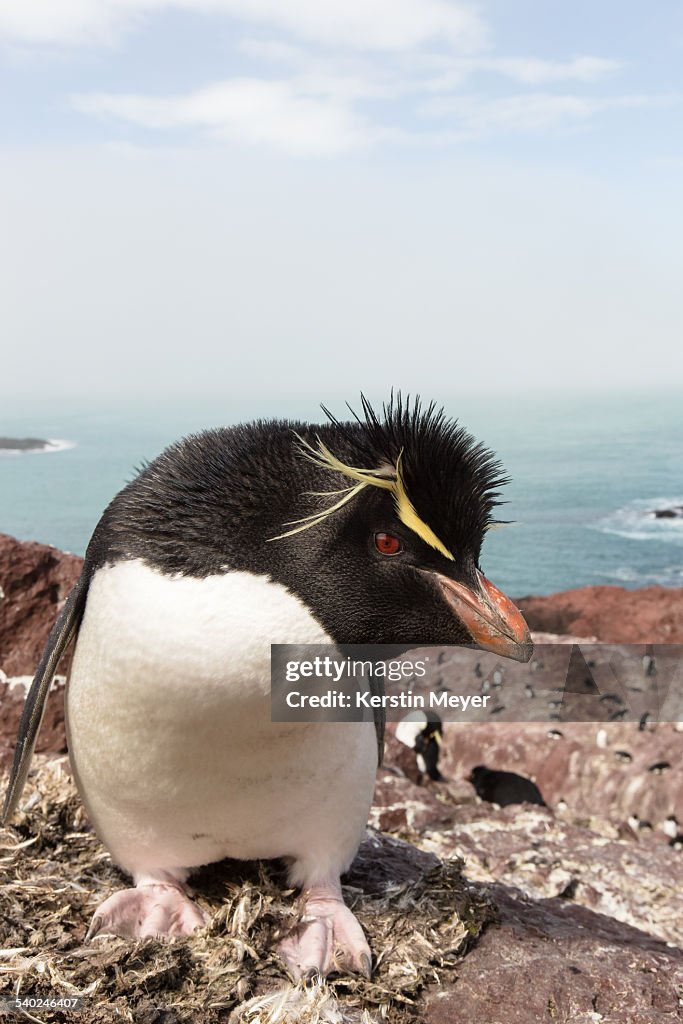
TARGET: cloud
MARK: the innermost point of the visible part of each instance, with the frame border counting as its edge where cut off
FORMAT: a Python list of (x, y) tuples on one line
[(476, 116), (328, 76), (533, 71), (318, 116), (247, 110), (370, 24), (527, 70), (428, 70), (356, 24), (272, 50), (63, 21)]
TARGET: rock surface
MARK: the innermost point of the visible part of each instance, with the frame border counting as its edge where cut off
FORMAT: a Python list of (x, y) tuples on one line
[(562, 683), (545, 856), (551, 961), (649, 615), (613, 770), (35, 580), (590, 913), (52, 735)]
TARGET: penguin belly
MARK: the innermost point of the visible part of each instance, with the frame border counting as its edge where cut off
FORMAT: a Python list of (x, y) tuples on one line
[(170, 738)]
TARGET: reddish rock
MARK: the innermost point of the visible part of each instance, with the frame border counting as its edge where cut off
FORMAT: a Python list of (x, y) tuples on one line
[(52, 735), (543, 856), (649, 615), (406, 800), (35, 580), (613, 769), (549, 961)]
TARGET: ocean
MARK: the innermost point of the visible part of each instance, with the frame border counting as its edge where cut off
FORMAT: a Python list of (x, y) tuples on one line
[(586, 471)]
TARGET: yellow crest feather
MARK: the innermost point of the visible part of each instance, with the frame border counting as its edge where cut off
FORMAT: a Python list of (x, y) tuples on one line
[(409, 517), (387, 478)]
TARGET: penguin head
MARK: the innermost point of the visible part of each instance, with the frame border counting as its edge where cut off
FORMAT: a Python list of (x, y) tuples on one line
[(385, 542), (375, 524)]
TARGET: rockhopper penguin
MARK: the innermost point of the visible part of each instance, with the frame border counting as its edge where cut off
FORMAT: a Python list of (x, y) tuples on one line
[(424, 735), (366, 531)]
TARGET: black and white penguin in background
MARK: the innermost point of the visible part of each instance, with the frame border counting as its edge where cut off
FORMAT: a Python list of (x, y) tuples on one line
[(423, 734), (272, 532)]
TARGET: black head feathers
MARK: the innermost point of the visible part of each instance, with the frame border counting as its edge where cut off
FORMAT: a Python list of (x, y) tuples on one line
[(444, 484)]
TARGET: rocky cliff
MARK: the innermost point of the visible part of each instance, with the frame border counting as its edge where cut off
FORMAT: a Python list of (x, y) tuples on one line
[(34, 583), (649, 615)]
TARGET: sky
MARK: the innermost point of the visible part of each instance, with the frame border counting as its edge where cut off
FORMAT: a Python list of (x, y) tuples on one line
[(233, 197)]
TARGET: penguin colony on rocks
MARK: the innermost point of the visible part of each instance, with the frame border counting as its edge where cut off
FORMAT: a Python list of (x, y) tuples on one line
[(366, 531)]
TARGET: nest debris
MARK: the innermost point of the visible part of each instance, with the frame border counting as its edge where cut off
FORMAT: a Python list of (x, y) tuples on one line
[(54, 872)]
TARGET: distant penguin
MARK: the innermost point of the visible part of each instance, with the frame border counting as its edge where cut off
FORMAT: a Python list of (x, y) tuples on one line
[(504, 788), (367, 531), (424, 735)]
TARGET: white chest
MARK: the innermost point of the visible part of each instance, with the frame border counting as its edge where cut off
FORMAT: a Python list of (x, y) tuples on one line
[(169, 723)]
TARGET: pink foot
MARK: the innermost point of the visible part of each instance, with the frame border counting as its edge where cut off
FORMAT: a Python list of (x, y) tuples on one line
[(159, 910), (328, 938)]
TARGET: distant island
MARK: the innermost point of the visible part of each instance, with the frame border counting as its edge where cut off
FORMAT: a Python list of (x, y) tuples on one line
[(676, 512), (25, 444)]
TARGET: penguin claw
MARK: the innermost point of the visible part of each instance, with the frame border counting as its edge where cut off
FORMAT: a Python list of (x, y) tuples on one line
[(312, 976), (95, 928)]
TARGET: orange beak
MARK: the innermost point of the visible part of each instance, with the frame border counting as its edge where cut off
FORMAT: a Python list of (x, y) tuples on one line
[(492, 620)]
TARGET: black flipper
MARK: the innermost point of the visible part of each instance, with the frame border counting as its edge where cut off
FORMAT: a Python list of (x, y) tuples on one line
[(62, 632), (379, 715), (376, 684), (380, 724)]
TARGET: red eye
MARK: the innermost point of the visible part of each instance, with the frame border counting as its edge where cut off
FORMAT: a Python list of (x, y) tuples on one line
[(387, 544)]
